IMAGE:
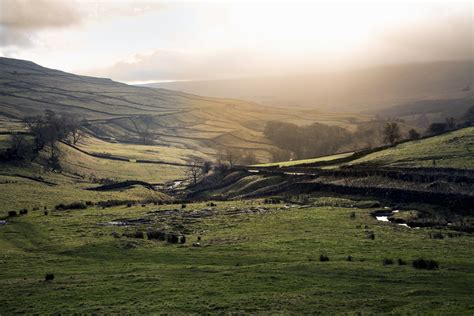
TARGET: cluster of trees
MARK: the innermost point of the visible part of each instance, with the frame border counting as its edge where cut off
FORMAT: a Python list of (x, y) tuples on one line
[(226, 158), (44, 133), (305, 141), (300, 142)]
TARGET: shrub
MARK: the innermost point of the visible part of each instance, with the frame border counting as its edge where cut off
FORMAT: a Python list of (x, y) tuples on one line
[(45, 213), (49, 277), (437, 235), (349, 258), (162, 236), (89, 203), (425, 264), (71, 206), (401, 262), (155, 234), (352, 215), (110, 203), (371, 235), (183, 205), (23, 211), (387, 261), (182, 239), (323, 258), (137, 234), (173, 239), (12, 213), (36, 208)]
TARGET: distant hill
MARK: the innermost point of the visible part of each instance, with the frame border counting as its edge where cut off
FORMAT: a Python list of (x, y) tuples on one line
[(116, 112), (422, 113), (359, 90)]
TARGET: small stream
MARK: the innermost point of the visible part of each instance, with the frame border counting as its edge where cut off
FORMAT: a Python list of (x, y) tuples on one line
[(384, 215)]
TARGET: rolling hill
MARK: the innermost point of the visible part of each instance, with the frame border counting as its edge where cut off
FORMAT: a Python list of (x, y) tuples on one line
[(370, 89), (119, 113)]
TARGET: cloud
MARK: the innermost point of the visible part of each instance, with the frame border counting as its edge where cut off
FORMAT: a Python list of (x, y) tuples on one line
[(187, 65), (35, 14), (20, 20), (449, 36)]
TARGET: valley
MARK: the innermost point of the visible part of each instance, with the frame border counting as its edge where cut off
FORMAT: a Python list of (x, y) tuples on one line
[(151, 210)]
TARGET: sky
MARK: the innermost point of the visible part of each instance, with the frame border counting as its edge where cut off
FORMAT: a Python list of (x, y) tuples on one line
[(144, 41)]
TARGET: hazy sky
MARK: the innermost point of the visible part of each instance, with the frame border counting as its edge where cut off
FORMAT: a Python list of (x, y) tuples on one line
[(138, 41)]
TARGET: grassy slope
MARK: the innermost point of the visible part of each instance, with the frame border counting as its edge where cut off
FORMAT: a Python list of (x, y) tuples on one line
[(78, 169), (266, 263), (304, 161), (450, 150)]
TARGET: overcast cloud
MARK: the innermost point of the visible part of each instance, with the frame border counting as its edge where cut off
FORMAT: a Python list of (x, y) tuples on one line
[(137, 41)]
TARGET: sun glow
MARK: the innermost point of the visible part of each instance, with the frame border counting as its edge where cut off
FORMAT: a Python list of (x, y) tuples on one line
[(315, 26)]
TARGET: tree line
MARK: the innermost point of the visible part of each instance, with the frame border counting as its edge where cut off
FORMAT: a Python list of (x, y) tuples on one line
[(301, 142)]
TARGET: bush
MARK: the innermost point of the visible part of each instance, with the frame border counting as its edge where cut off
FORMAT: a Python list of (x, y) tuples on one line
[(323, 258), (12, 213), (89, 203), (182, 239), (349, 258), (49, 277), (45, 213), (401, 262), (111, 203), (129, 204), (71, 206), (371, 235), (173, 239), (425, 264), (437, 235), (23, 211), (183, 205), (352, 215), (155, 234), (36, 208), (387, 261), (137, 234)]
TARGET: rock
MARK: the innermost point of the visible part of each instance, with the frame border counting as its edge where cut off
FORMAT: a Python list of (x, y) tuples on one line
[(196, 244)]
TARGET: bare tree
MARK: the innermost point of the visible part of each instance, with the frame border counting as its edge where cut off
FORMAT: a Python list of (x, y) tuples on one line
[(195, 170), (249, 158), (227, 156), (450, 123), (391, 133), (47, 131), (413, 134), (145, 131), (280, 155), (19, 147), (206, 167)]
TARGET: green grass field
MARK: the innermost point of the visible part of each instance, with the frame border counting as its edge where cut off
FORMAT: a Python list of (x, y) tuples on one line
[(264, 263), (450, 150), (305, 161)]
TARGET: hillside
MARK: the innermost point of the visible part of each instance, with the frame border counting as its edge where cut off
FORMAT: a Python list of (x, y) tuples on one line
[(438, 164), (359, 90), (449, 150), (116, 112)]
